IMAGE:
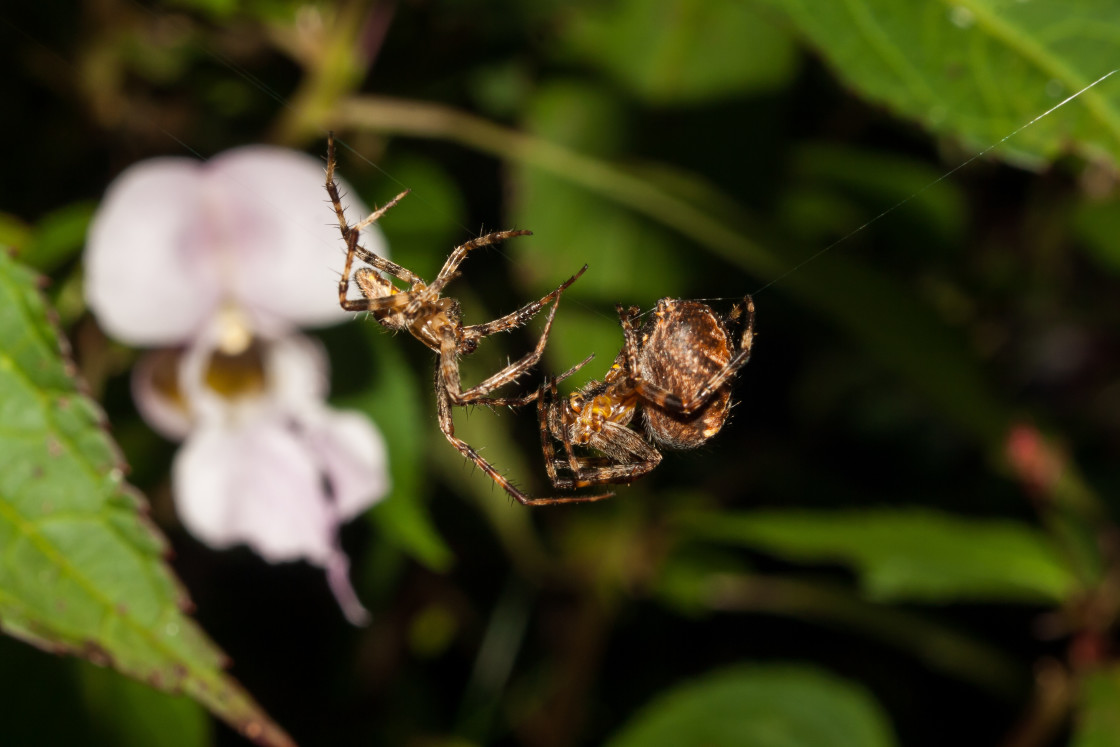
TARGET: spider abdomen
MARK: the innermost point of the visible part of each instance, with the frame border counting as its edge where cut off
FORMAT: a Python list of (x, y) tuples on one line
[(683, 346)]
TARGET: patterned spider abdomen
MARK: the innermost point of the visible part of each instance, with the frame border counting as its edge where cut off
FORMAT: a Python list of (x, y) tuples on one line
[(682, 347)]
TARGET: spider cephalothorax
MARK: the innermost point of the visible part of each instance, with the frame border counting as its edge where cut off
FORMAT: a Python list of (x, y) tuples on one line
[(422, 311), (678, 369)]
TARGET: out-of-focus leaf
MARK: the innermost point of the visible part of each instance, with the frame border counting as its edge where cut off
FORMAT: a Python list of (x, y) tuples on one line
[(682, 51), (1098, 226), (572, 227), (424, 226), (761, 706), (81, 570), (980, 69), (14, 233), (930, 212), (126, 713), (57, 237), (1097, 721), (908, 554)]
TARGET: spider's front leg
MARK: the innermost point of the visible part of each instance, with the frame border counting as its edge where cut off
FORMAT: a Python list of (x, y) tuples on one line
[(449, 366), (521, 316)]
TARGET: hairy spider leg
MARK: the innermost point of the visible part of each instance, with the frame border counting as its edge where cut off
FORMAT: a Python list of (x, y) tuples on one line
[(449, 372), (450, 345), (518, 318), (397, 299), (533, 395), (450, 269)]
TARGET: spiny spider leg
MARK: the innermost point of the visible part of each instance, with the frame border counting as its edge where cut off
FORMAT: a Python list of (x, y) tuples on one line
[(531, 396), (393, 302), (522, 315), (450, 269), (450, 372), (459, 253), (447, 425)]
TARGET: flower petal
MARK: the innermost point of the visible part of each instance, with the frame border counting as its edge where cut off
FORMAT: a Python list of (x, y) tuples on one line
[(298, 371), (352, 452), (146, 277), (256, 483), (338, 578), (288, 248)]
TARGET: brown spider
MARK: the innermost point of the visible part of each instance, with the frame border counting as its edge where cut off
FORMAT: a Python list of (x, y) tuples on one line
[(435, 321), (678, 367)]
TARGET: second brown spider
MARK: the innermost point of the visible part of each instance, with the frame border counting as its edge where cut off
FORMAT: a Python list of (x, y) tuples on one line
[(678, 368), (434, 320)]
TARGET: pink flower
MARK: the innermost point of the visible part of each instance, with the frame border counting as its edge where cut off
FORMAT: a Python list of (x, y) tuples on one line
[(219, 263)]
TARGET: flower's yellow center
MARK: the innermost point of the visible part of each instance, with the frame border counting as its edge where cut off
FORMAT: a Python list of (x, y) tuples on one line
[(240, 374)]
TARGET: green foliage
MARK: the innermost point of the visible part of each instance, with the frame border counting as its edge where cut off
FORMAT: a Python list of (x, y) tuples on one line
[(1098, 722), (771, 706), (908, 554), (82, 569), (676, 51), (54, 240), (571, 224), (978, 70)]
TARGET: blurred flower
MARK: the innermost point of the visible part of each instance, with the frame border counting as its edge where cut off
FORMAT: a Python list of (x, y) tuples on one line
[(219, 263), (1037, 463)]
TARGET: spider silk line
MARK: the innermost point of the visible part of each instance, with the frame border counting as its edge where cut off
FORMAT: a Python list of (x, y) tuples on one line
[(816, 255), (285, 103)]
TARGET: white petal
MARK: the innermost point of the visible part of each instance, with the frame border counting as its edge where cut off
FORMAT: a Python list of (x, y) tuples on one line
[(280, 224), (352, 452), (298, 371), (338, 578), (146, 279), (256, 483)]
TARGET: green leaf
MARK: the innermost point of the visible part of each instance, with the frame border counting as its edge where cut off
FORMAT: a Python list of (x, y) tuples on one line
[(1098, 227), (761, 706), (58, 236), (908, 554), (432, 215), (81, 568), (930, 214), (979, 69), (1097, 722), (571, 225), (682, 51)]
